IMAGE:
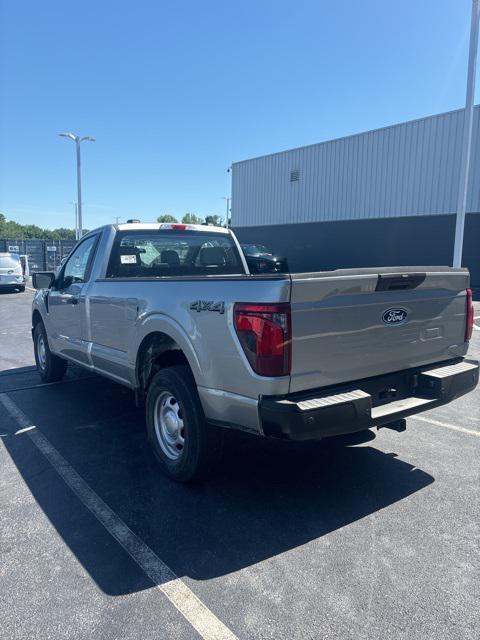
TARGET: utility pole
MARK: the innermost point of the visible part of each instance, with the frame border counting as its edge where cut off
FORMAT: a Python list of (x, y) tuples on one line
[(467, 137), (78, 140)]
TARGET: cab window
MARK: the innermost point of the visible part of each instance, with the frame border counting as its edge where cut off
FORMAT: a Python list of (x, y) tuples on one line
[(154, 254), (77, 265)]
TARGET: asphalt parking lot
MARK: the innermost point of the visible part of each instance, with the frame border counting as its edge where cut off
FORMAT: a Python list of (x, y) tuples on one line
[(286, 541)]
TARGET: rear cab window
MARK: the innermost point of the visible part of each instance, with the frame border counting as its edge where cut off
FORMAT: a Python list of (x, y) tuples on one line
[(162, 253)]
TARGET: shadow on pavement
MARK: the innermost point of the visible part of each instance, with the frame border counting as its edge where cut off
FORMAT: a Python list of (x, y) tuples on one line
[(5, 291), (31, 369), (266, 498)]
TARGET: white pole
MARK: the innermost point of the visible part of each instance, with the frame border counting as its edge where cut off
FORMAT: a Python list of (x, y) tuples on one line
[(78, 142), (77, 236), (79, 190), (467, 137)]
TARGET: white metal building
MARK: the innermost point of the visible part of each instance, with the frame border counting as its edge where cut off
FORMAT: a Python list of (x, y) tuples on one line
[(382, 197)]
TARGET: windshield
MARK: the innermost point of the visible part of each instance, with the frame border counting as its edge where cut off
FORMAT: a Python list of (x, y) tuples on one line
[(254, 249), (9, 262)]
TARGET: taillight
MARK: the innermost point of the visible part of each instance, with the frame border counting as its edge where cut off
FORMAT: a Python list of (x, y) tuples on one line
[(175, 226), (265, 333), (469, 316)]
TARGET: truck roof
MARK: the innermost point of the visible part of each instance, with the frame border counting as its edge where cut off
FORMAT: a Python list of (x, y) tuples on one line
[(147, 226)]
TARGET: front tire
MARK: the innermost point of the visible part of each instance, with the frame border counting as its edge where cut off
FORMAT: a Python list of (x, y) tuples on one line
[(50, 367), (21, 289), (185, 445)]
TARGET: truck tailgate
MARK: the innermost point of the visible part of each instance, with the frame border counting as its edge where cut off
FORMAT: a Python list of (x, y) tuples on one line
[(357, 323)]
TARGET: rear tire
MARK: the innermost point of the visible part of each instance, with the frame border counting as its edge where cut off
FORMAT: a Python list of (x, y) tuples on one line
[(185, 445), (50, 367)]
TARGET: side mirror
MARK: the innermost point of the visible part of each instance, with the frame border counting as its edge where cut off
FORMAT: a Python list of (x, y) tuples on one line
[(43, 279), (257, 265), (66, 282), (264, 264)]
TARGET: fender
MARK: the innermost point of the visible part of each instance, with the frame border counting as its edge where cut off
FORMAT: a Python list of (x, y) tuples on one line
[(158, 322), (39, 307)]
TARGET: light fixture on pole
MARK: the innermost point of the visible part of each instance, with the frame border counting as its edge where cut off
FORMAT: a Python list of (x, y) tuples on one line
[(78, 140), (467, 137), (228, 209)]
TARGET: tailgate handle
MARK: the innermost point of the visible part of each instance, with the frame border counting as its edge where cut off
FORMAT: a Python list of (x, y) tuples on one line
[(399, 281)]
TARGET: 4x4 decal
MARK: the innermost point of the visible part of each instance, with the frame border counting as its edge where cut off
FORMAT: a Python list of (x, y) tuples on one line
[(208, 305)]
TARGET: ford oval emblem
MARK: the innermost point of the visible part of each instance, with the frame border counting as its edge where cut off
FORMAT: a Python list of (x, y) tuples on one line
[(394, 316)]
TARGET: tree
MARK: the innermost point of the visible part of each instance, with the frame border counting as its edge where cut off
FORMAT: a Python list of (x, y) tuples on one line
[(32, 231), (60, 234), (12, 229), (215, 220), (166, 218), (191, 218), (16, 231)]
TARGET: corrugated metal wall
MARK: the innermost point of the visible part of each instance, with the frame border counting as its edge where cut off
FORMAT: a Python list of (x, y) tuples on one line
[(406, 169)]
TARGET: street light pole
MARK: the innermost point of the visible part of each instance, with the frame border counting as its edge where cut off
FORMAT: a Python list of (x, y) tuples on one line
[(79, 190), (76, 219), (78, 140), (467, 137), (228, 209)]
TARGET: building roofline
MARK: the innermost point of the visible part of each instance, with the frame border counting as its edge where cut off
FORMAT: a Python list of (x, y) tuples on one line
[(352, 135)]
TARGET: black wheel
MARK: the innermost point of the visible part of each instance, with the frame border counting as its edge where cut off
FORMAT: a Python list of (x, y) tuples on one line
[(21, 289), (185, 445), (50, 367)]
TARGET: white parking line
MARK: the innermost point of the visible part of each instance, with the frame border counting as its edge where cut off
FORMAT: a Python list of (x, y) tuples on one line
[(30, 289), (204, 621), (454, 427)]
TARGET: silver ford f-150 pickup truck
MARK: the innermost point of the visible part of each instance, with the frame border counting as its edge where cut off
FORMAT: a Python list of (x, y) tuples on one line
[(172, 312)]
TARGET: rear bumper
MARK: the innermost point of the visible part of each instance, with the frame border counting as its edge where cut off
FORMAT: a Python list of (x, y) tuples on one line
[(366, 403), (11, 282)]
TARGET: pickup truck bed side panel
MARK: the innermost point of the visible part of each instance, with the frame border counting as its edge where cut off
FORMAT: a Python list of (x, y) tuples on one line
[(123, 313)]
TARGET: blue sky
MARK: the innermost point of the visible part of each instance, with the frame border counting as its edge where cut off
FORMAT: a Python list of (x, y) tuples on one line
[(175, 91)]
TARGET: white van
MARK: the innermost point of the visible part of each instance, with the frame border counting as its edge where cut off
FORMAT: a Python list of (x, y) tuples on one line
[(13, 271)]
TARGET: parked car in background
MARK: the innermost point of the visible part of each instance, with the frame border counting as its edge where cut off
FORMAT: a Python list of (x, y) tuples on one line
[(262, 260), (12, 271)]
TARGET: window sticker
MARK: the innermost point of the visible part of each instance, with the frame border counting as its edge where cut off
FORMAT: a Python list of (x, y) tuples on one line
[(128, 259)]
